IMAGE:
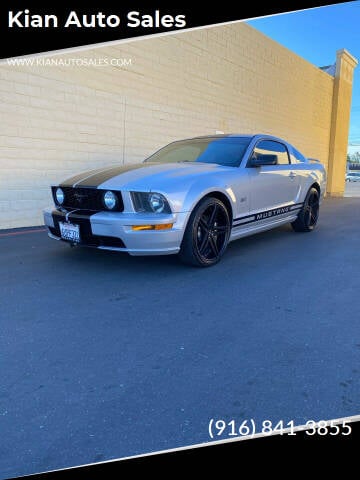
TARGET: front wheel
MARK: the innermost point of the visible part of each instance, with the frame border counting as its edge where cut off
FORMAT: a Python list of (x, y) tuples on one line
[(309, 214), (207, 234)]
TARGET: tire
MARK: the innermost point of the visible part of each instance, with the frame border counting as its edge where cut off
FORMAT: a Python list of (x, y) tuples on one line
[(207, 234), (309, 214)]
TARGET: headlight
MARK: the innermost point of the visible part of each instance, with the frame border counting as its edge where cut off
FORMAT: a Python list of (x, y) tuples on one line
[(60, 197), (150, 202), (157, 202), (109, 200)]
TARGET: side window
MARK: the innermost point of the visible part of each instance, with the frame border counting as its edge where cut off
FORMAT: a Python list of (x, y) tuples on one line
[(299, 156), (270, 147)]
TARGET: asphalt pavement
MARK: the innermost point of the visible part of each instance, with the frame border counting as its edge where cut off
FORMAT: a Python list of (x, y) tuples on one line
[(105, 356)]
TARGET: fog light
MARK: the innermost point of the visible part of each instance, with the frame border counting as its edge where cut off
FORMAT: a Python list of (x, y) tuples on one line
[(60, 197), (109, 200)]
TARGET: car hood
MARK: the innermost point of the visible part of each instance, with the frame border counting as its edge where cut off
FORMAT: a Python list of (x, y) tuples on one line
[(141, 176)]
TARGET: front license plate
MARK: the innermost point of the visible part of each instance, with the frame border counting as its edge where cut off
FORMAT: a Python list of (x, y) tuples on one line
[(70, 232)]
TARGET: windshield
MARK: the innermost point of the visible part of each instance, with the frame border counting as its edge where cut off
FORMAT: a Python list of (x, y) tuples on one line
[(227, 151)]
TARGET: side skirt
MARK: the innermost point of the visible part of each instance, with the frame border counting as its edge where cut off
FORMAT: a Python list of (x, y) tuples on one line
[(250, 229)]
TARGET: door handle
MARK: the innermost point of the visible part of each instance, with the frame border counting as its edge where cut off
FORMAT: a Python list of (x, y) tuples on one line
[(292, 175)]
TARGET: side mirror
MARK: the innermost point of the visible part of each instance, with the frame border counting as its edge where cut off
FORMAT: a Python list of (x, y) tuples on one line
[(263, 159)]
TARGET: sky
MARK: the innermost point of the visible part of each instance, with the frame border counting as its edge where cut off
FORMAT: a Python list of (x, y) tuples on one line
[(316, 35)]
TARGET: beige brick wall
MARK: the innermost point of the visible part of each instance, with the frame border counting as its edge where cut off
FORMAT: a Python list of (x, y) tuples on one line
[(57, 121)]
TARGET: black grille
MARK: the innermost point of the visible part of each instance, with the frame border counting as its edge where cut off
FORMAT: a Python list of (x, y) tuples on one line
[(86, 199), (86, 236)]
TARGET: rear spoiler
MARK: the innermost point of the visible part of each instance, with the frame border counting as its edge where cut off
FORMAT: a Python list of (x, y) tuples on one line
[(314, 160)]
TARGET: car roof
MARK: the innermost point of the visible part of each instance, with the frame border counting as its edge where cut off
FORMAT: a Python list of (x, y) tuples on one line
[(236, 135)]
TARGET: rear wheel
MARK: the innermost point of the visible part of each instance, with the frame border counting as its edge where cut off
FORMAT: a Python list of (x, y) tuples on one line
[(207, 234), (309, 214)]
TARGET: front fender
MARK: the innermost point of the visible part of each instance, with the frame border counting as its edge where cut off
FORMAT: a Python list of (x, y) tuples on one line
[(194, 196)]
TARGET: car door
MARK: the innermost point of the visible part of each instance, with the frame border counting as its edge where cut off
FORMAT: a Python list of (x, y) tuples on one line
[(272, 186)]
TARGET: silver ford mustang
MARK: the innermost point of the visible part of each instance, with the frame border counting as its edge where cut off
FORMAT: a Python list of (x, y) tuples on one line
[(190, 198)]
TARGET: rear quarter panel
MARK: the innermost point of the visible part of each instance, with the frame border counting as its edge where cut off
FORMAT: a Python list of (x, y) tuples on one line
[(310, 174)]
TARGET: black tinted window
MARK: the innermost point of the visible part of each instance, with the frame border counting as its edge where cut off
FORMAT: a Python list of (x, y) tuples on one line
[(227, 151), (270, 147)]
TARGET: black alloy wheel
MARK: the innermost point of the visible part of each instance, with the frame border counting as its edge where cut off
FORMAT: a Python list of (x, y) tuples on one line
[(207, 234), (309, 214)]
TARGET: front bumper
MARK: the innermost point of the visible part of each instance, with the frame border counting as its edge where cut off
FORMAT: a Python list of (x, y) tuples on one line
[(112, 230)]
